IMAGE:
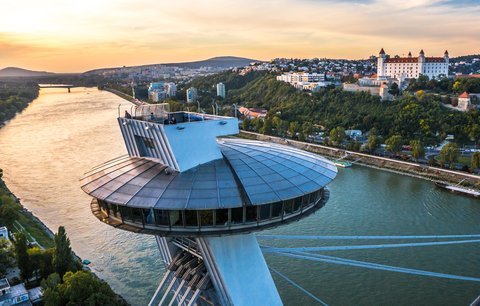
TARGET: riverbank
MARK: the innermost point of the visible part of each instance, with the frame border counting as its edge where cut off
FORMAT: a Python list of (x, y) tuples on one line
[(14, 215), (377, 162), (123, 95), (22, 220)]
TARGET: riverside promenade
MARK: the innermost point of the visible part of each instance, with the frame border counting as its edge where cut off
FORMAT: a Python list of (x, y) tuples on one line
[(384, 163)]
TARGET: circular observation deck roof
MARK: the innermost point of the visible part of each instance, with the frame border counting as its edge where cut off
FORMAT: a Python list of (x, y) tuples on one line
[(250, 173)]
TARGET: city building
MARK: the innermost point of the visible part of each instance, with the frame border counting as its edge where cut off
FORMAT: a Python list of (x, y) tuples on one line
[(464, 102), (203, 195), (13, 295), (301, 77), (156, 91), (171, 89), (304, 81), (221, 90), (192, 95), (411, 67), (252, 113), (4, 233)]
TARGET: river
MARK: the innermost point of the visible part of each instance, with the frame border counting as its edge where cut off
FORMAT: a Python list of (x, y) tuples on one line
[(47, 148)]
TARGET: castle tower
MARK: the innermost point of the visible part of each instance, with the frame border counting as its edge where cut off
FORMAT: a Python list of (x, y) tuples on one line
[(421, 62), (202, 198), (447, 62), (381, 65)]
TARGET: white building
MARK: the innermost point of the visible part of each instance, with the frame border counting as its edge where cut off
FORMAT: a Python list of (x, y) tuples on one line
[(304, 81), (464, 101), (159, 91), (156, 91), (192, 95), (411, 67), (171, 89), (302, 77), (4, 233), (221, 90)]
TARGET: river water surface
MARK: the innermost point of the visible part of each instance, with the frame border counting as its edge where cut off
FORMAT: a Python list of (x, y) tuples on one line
[(47, 148)]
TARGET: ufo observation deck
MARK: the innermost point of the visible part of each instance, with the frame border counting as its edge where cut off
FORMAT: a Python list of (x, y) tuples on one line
[(254, 186), (182, 180)]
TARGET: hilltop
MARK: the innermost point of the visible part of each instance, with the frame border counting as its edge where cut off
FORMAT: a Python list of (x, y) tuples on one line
[(219, 62), (20, 72), (223, 62)]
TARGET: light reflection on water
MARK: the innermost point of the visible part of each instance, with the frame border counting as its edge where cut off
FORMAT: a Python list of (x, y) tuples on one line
[(47, 148)]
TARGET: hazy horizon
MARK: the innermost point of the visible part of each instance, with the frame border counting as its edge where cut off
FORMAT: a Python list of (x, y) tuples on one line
[(61, 36)]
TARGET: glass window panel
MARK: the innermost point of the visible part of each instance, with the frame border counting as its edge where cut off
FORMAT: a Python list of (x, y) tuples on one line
[(148, 216), (297, 202), (191, 218), (237, 215), (222, 217), (276, 209), (288, 207), (251, 213), (265, 212), (161, 216), (176, 217), (206, 217)]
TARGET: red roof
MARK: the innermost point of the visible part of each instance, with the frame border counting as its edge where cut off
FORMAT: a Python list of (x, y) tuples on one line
[(382, 51), (402, 60), (464, 95), (414, 60), (461, 76), (434, 60)]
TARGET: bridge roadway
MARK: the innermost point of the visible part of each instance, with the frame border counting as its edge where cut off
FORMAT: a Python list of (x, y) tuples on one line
[(68, 86)]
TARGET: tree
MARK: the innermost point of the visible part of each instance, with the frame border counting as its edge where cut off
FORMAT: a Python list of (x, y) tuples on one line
[(394, 90), (267, 127), (420, 95), (41, 262), (293, 129), (337, 135), (51, 294), (456, 86), (307, 129), (257, 124), (62, 257), (79, 288), (21, 256), (6, 256), (474, 133), (8, 213), (280, 125), (394, 143), (449, 154), (372, 142), (475, 160), (247, 124), (418, 150)]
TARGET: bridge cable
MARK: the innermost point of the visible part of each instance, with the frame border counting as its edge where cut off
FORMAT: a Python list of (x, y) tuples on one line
[(298, 286), (302, 237), (363, 264), (269, 249)]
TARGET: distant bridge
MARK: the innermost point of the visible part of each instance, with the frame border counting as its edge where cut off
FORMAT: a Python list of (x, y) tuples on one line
[(68, 86)]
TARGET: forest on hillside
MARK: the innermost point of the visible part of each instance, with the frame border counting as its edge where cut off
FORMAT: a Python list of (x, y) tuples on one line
[(413, 117), (14, 97)]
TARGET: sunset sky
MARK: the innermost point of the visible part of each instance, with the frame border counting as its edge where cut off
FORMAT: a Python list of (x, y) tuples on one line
[(75, 36)]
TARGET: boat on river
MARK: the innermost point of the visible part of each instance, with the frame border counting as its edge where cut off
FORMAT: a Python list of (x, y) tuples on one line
[(458, 189), (342, 164)]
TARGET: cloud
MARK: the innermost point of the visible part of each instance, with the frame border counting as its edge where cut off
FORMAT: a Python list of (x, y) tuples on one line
[(147, 31)]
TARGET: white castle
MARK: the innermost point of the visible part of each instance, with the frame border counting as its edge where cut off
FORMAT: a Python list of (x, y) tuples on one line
[(411, 67)]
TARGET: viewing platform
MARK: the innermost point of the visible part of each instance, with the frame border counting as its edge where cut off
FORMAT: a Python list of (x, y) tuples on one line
[(182, 178), (186, 179)]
